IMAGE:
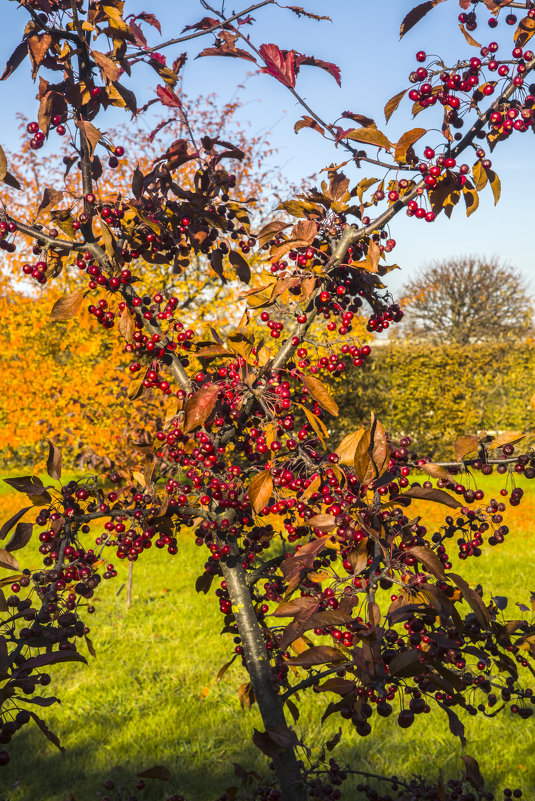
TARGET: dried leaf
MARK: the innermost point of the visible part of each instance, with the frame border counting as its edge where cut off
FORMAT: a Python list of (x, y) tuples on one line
[(21, 537), (507, 438), (67, 307), (260, 490), (406, 141), (243, 271), (6, 560), (53, 463), (469, 39), (465, 444), (8, 525), (320, 394), (323, 522), (433, 494), (106, 64), (348, 447), (473, 773), (317, 655), (416, 14), (308, 122), (200, 406), (91, 134), (370, 136), (127, 325), (473, 599), (393, 103), (430, 559), (435, 471)]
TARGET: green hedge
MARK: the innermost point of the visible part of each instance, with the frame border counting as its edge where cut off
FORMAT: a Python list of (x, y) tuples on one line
[(436, 393)]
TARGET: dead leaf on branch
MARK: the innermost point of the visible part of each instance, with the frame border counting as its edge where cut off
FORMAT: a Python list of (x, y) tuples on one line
[(260, 490), (67, 307)]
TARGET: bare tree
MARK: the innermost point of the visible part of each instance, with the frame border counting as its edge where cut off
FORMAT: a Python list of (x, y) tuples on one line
[(468, 299)]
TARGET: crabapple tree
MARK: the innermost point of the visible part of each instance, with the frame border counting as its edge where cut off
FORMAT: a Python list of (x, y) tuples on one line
[(324, 579)]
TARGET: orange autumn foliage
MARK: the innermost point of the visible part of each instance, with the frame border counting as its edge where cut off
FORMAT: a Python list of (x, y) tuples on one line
[(66, 392)]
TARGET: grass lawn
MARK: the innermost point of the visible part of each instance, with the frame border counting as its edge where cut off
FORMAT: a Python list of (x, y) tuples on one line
[(150, 696)]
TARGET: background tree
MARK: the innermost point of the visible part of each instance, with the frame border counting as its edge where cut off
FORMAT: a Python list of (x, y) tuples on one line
[(468, 300)]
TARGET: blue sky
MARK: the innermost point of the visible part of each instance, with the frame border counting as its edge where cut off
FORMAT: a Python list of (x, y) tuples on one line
[(363, 40)]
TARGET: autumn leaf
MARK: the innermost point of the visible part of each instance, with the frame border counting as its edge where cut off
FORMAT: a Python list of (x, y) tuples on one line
[(106, 64), (281, 66), (507, 438), (168, 97), (53, 463), (308, 122), (317, 655), (323, 522), (320, 394), (243, 271), (91, 134), (369, 136), (127, 325), (348, 447), (406, 141), (431, 494), (464, 445), (393, 103), (200, 406), (435, 471), (260, 490), (67, 307), (7, 561), (416, 14), (51, 198)]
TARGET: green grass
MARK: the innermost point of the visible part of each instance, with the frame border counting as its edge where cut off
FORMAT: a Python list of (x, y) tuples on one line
[(150, 697)]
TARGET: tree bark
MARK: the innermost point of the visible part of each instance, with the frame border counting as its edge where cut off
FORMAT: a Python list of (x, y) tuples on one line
[(269, 702)]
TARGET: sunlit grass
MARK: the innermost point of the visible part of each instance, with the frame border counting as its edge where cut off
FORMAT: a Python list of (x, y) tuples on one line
[(150, 696)]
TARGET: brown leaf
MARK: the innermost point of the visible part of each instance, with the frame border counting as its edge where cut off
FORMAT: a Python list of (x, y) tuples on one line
[(46, 731), (31, 485), (305, 230), (405, 664), (308, 122), (473, 599), (473, 773), (297, 607), (369, 136), (91, 134), (260, 490), (8, 525), (15, 60), (67, 307), (106, 64), (242, 268), (51, 198), (465, 444), (372, 256), (430, 559), (317, 655), (21, 537), (320, 394), (135, 387), (469, 39), (507, 438), (53, 463), (406, 141), (38, 46), (270, 230), (127, 325), (495, 185), (393, 103), (324, 522), (6, 560), (200, 406), (435, 471), (348, 447), (471, 199), (433, 494), (157, 772), (416, 14)]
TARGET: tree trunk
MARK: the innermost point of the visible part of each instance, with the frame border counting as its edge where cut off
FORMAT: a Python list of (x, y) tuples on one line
[(269, 702)]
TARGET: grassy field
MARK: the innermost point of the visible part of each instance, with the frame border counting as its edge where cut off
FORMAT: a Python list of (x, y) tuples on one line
[(150, 696)]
